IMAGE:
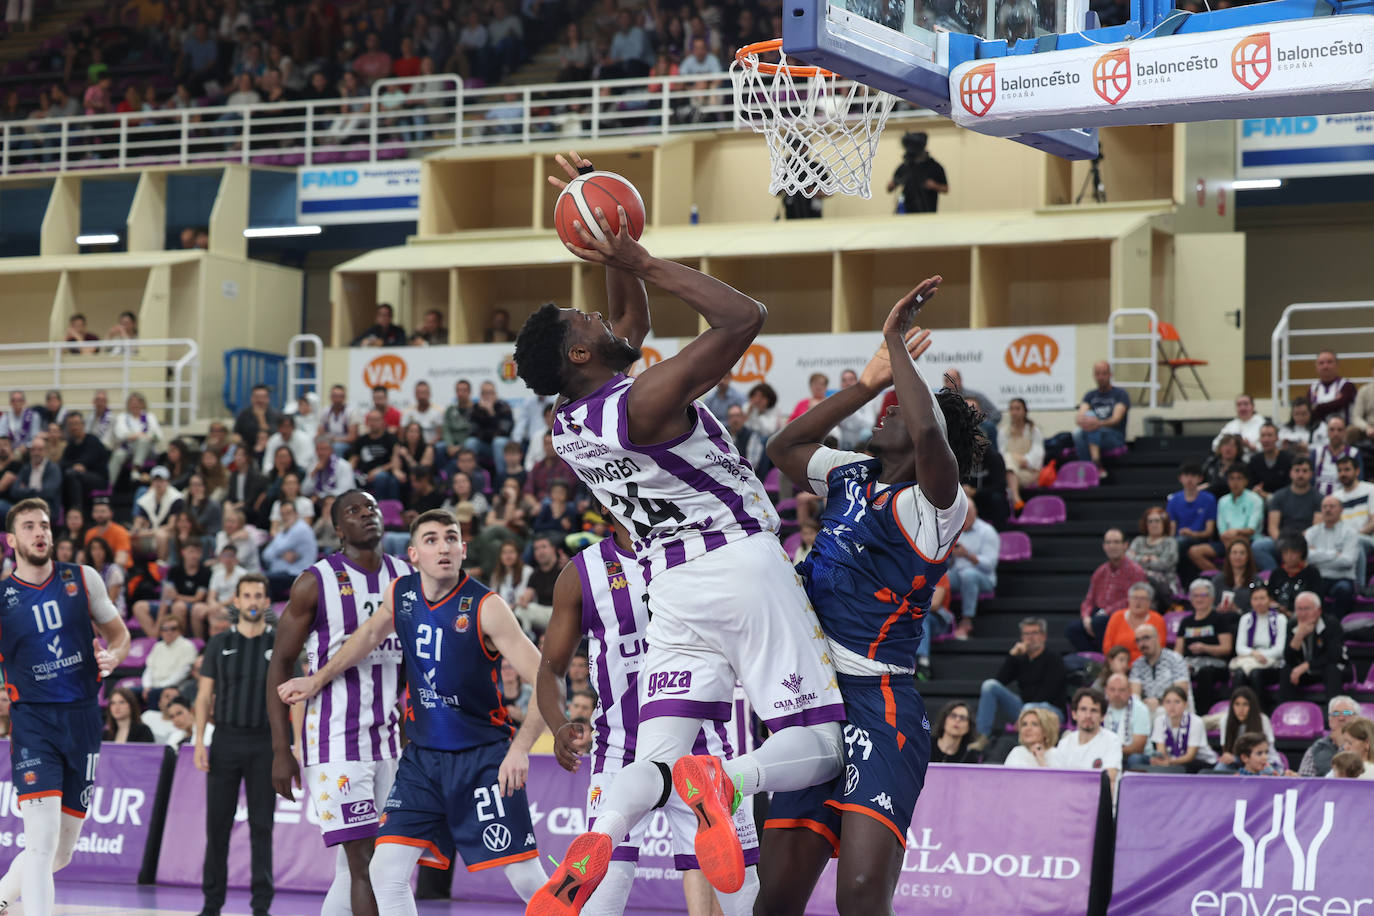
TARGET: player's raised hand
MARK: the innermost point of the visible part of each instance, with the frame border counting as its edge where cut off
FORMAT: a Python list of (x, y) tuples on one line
[(297, 690), (286, 772), (614, 249), (877, 375), (105, 660), (573, 165), (514, 769), (903, 314), (569, 743)]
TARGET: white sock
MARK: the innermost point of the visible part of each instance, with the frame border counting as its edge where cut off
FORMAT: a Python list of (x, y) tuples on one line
[(791, 759), (613, 892), (392, 865), (42, 828), (339, 900), (741, 902), (526, 877)]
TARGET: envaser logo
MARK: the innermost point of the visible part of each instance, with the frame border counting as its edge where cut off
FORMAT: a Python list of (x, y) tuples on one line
[(1112, 75), (1255, 851), (1032, 353), (387, 370), (1251, 60), (978, 89)]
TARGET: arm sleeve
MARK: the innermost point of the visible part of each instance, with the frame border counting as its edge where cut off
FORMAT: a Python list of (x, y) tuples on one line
[(102, 608), (932, 531), (822, 462)]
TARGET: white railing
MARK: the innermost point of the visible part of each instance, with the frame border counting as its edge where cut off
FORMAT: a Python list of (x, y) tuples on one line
[(164, 370), (403, 117), (1150, 384), (1353, 339), (304, 351)]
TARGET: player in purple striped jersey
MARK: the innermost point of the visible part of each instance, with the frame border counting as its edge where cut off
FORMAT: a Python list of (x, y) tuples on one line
[(702, 524), (350, 737), (601, 594)]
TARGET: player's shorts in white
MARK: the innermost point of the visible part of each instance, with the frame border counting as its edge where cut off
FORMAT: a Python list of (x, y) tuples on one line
[(349, 797), (737, 610), (677, 818)]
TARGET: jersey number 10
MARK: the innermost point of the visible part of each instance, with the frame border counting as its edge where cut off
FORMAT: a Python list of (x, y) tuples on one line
[(48, 616)]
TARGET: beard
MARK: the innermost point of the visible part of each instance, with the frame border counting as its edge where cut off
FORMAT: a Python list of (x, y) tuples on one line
[(617, 354), (33, 558)]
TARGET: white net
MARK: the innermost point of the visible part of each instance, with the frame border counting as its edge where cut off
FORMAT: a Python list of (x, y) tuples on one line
[(822, 130)]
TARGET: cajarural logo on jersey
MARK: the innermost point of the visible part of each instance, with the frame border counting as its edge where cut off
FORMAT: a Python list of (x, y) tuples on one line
[(1280, 867)]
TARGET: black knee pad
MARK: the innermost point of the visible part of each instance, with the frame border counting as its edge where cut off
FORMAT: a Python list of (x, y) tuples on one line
[(667, 784)]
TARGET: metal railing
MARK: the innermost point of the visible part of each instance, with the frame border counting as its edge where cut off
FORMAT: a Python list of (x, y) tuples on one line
[(403, 117), (304, 365), (163, 370), (1352, 340), (1149, 385)]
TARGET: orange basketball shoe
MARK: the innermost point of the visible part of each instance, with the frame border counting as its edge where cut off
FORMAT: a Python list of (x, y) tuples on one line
[(573, 882), (701, 782)]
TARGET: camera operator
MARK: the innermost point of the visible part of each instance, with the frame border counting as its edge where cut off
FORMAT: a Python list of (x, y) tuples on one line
[(920, 177)]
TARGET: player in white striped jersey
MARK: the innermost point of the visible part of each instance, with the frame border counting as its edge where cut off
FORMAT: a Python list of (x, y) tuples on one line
[(350, 740), (725, 602), (601, 595)]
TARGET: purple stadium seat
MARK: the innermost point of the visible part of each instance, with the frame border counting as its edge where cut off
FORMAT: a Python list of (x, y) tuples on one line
[(1361, 685), (1299, 720), (1354, 621), (131, 683), (138, 651), (1077, 475), (771, 480), (291, 159), (1043, 510), (1367, 710), (391, 514), (1097, 657), (1171, 624), (1217, 709), (1117, 452), (792, 543), (391, 152), (1016, 546)]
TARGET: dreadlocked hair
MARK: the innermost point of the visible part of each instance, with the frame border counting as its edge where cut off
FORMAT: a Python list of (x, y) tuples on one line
[(539, 350), (966, 440)]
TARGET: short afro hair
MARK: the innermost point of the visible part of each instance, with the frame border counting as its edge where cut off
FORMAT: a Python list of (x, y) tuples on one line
[(966, 440), (540, 350)]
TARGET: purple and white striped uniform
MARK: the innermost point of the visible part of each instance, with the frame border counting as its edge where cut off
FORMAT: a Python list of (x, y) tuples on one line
[(679, 499), (354, 717)]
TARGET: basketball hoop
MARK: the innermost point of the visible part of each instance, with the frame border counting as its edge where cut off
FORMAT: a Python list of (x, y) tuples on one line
[(822, 131)]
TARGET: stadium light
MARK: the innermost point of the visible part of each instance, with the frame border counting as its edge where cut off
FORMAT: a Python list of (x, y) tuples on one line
[(281, 232), (98, 238), (1256, 184)]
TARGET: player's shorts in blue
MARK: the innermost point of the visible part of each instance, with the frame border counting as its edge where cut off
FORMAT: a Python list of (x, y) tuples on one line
[(887, 749), (444, 801), (53, 752)]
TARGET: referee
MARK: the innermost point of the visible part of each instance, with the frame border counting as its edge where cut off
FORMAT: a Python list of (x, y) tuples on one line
[(233, 677)]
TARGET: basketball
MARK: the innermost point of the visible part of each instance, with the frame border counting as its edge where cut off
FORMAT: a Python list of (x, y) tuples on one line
[(585, 193)]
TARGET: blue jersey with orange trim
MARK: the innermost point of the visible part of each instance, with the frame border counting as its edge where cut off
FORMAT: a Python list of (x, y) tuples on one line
[(865, 576), (453, 680), (46, 638)]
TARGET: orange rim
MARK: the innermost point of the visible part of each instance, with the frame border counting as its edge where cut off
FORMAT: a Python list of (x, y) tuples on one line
[(749, 57)]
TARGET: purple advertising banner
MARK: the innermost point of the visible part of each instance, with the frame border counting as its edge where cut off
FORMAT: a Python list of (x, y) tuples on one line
[(1243, 846), (986, 839), (118, 816)]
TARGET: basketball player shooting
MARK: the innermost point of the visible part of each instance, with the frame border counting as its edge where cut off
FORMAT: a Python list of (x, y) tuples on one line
[(889, 523), (723, 597)]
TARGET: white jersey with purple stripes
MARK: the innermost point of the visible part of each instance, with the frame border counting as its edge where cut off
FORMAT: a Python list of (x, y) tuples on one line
[(679, 499), (615, 615), (354, 717)]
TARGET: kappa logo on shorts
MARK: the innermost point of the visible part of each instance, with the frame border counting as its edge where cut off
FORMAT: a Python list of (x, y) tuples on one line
[(670, 682), (882, 800), (359, 812), (496, 837), (851, 779)]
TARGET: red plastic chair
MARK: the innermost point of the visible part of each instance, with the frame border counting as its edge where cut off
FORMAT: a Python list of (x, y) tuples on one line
[(1178, 359)]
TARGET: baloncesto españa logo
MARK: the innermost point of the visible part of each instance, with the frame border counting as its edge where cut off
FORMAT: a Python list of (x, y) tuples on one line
[(1112, 75), (978, 89), (1252, 60)]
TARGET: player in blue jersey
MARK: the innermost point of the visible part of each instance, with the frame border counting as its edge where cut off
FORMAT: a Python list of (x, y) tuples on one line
[(52, 665), (461, 782), (889, 523)]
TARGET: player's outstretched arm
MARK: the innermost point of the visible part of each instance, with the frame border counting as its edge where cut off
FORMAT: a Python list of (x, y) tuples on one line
[(662, 393), (502, 630), (936, 468), (292, 629), (791, 447), (367, 637), (560, 642)]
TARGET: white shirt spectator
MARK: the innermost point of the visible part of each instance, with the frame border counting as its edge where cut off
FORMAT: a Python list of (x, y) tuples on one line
[(1333, 550), (1248, 430), (169, 663), (1022, 759), (163, 730), (691, 66), (127, 426), (223, 583), (1357, 503), (1189, 733), (1267, 635), (304, 508), (983, 541), (302, 447), (1103, 752), (21, 428), (431, 421), (159, 511), (246, 546), (337, 479), (1127, 722)]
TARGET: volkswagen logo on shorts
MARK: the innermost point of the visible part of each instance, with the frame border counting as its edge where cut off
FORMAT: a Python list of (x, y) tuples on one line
[(496, 837), (851, 779)]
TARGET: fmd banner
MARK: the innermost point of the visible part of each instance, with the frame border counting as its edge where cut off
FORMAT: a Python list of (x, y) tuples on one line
[(361, 192), (1305, 146)]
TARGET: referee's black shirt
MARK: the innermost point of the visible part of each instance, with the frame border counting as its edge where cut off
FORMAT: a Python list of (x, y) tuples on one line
[(238, 667)]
